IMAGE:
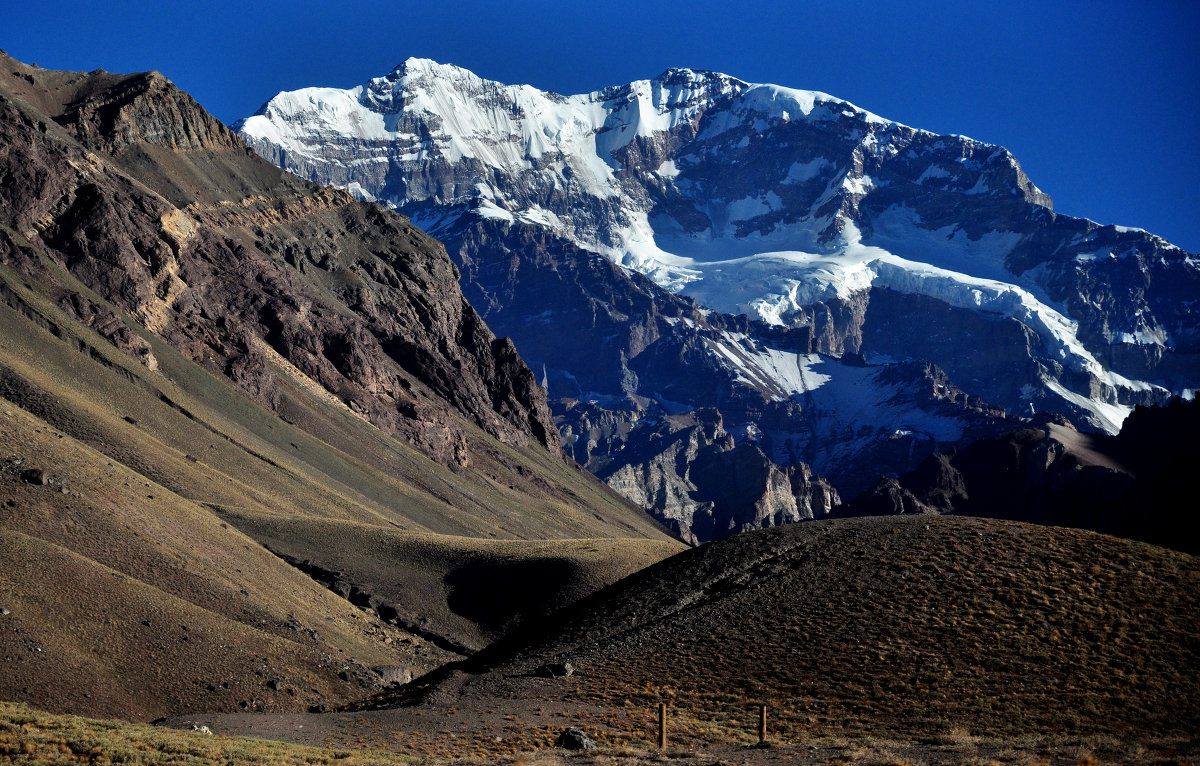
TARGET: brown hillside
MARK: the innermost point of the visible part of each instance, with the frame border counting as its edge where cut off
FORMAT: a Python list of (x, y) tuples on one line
[(899, 627), (194, 347), (131, 187)]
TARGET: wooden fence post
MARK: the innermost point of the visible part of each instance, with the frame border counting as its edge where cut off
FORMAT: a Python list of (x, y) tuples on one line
[(762, 723), (662, 725)]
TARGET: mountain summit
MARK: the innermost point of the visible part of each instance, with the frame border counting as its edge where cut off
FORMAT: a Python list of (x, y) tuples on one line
[(798, 223)]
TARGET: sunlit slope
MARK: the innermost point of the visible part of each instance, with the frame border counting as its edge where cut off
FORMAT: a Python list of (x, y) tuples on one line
[(136, 213), (171, 381), (153, 474)]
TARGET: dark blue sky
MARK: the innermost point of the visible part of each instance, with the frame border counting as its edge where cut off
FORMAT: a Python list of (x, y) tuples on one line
[(1099, 100)]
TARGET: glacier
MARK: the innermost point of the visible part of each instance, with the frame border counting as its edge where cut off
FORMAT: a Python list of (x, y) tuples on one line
[(754, 199)]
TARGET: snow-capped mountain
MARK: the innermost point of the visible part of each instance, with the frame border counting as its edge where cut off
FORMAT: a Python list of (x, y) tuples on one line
[(822, 224)]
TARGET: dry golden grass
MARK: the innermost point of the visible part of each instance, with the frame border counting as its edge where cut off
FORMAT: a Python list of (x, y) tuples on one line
[(944, 631), (31, 736)]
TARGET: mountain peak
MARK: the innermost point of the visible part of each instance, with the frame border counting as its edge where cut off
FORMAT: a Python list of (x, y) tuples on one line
[(422, 70), (674, 75), (761, 200), (418, 65)]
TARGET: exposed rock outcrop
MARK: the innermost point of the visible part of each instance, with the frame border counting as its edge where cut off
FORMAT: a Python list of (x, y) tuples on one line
[(691, 474), (1132, 484), (573, 738), (128, 186)]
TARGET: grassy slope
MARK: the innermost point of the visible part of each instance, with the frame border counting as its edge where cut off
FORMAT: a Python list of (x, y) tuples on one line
[(101, 581), (28, 735), (354, 469), (899, 627), (32, 736), (471, 590)]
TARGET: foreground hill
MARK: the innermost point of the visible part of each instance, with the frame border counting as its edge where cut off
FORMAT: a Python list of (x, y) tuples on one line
[(899, 627), (197, 348)]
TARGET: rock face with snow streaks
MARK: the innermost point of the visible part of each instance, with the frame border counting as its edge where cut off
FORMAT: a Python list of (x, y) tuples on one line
[(690, 473), (810, 218)]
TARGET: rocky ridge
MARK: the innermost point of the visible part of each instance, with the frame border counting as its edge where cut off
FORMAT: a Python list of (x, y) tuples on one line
[(691, 473), (352, 296), (202, 356)]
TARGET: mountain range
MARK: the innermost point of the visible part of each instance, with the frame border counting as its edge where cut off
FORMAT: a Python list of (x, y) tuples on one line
[(267, 471), (834, 294)]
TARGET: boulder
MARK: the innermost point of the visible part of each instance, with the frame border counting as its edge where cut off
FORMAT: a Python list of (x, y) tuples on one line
[(555, 670), (393, 674), (574, 739)]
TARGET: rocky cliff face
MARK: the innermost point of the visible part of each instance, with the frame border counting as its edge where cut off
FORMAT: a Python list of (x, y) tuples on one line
[(125, 184), (1133, 484), (689, 472), (624, 346), (795, 223)]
